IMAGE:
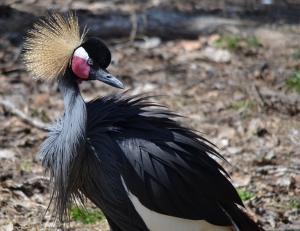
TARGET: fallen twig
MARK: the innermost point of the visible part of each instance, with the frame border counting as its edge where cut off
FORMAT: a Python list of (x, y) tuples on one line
[(276, 168), (263, 102), (12, 109), (133, 22)]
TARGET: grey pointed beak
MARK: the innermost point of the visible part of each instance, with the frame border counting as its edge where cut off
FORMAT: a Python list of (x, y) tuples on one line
[(104, 76)]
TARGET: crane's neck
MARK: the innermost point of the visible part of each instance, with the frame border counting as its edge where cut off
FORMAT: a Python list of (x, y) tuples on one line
[(73, 131), (70, 91), (63, 151), (75, 115), (69, 145)]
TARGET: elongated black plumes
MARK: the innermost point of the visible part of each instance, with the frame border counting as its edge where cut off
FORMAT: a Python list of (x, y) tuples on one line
[(166, 164)]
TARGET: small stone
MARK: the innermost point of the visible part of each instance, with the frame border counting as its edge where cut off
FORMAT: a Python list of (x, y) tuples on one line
[(217, 55), (257, 74), (20, 195), (38, 198), (212, 39), (219, 106), (234, 150), (285, 181), (190, 45), (226, 132), (237, 95), (149, 87), (23, 207), (6, 226), (291, 215), (240, 180), (12, 184), (7, 154), (5, 195), (270, 155), (78, 5), (151, 43), (223, 143)]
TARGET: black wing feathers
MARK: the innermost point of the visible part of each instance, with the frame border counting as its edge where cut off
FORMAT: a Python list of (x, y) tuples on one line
[(164, 164)]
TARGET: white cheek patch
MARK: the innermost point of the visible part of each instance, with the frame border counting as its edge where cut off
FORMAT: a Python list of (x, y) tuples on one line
[(79, 63), (80, 52)]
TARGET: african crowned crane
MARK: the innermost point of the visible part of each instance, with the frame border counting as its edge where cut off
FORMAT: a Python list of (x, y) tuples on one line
[(139, 166)]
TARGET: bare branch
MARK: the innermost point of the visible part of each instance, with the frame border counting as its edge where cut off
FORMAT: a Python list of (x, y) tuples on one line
[(15, 111)]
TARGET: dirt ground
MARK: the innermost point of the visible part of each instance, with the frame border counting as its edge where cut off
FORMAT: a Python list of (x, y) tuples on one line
[(236, 95)]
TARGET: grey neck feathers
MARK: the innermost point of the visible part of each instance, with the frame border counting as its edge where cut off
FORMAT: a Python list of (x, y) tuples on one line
[(63, 149)]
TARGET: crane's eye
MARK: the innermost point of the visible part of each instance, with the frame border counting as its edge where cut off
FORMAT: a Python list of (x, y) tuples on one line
[(90, 61)]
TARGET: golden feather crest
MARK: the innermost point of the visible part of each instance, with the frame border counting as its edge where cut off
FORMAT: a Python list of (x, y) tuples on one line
[(50, 45)]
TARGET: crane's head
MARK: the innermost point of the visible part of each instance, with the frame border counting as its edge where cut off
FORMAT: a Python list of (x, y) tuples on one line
[(55, 46)]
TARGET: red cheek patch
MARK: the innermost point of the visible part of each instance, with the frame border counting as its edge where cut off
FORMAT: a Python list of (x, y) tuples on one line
[(79, 81), (80, 67)]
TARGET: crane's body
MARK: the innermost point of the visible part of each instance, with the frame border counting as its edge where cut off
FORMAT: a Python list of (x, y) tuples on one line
[(139, 166)]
